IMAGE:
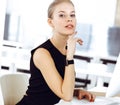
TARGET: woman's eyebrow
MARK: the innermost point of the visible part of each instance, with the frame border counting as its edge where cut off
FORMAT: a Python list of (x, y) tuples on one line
[(73, 12), (64, 11), (61, 11)]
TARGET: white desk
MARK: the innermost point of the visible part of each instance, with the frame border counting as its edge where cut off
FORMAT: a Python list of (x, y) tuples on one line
[(99, 70), (104, 58), (2, 72), (100, 100)]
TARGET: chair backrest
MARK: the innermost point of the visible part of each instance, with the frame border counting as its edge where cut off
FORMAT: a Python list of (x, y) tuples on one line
[(1, 98), (13, 87)]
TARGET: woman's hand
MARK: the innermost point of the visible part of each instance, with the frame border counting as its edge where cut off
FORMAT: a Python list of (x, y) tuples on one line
[(71, 44), (82, 94)]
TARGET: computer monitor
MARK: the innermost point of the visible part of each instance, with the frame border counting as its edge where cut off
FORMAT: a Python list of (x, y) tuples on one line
[(114, 84)]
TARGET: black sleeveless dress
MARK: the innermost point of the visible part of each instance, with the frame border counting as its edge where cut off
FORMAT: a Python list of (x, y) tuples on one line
[(38, 92)]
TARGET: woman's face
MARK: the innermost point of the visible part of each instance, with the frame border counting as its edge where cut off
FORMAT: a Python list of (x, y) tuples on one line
[(64, 20)]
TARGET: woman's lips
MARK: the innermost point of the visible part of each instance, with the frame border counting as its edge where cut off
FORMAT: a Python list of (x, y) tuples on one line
[(69, 26)]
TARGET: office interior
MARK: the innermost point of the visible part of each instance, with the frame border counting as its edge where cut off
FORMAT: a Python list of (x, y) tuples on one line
[(23, 26)]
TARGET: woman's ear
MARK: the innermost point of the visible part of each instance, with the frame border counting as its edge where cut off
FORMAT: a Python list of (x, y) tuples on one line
[(50, 22)]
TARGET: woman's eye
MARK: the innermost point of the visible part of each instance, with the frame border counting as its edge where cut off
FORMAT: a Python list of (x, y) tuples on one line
[(72, 15), (61, 15)]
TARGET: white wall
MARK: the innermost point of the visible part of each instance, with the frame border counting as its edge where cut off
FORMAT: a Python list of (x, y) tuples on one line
[(99, 13), (2, 17)]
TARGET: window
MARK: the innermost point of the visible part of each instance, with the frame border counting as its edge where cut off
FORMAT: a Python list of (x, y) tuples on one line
[(26, 23)]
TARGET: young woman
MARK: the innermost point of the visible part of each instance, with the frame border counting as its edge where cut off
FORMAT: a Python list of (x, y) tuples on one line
[(52, 64)]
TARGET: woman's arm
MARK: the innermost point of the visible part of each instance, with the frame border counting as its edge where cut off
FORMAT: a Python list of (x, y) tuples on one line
[(63, 88)]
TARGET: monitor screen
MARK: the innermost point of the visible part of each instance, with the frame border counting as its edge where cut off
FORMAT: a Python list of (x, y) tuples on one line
[(114, 85)]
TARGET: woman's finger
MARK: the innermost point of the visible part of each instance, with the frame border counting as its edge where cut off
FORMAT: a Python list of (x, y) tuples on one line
[(92, 98), (80, 41)]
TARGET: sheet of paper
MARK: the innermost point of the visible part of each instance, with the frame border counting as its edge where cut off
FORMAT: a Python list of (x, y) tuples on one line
[(99, 101)]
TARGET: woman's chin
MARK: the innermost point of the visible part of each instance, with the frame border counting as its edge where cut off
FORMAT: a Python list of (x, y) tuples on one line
[(72, 33)]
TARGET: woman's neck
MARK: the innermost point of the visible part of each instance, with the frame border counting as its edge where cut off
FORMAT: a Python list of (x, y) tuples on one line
[(60, 43)]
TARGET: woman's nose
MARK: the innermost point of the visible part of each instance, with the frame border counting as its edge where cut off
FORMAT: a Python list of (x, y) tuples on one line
[(69, 19)]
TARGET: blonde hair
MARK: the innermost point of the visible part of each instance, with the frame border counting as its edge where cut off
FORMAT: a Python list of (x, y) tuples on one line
[(54, 4)]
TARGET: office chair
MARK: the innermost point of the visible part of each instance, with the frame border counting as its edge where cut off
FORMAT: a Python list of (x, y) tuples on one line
[(1, 98), (13, 87)]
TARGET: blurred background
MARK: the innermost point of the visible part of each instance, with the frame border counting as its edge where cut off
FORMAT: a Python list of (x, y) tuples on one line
[(23, 26)]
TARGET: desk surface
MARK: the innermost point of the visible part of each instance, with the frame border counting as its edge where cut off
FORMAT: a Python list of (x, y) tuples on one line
[(95, 69), (2, 72), (100, 100), (93, 55)]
